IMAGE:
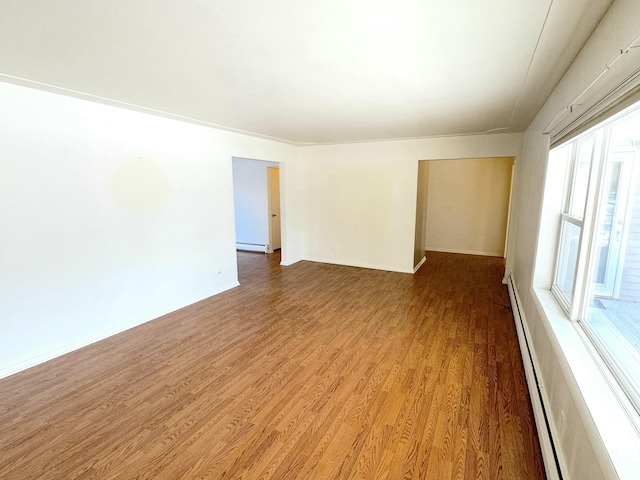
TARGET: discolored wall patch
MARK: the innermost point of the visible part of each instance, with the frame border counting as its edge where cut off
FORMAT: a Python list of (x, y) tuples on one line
[(140, 188)]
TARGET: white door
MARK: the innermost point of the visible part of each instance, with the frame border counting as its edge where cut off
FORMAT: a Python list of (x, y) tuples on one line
[(273, 186)]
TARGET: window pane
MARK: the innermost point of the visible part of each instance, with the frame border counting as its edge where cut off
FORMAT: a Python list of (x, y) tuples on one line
[(578, 194), (625, 134), (613, 309), (616, 331), (567, 260), (613, 301), (609, 228)]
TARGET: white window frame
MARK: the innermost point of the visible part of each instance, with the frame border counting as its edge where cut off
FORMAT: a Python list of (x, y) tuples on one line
[(576, 306)]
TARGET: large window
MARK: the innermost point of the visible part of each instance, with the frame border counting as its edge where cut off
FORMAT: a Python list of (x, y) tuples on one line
[(597, 273)]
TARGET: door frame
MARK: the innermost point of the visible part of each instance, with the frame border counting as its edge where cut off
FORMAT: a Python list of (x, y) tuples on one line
[(275, 241)]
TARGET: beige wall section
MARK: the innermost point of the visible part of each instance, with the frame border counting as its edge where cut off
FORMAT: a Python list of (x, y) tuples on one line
[(468, 205), (421, 212), (359, 199)]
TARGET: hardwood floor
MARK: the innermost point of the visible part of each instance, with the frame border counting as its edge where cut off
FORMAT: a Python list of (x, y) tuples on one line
[(311, 371)]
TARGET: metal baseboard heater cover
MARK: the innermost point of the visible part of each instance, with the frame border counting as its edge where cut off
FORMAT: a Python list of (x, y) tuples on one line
[(549, 453), (252, 247)]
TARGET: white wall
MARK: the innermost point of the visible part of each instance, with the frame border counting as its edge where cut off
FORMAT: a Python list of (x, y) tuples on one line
[(112, 217), (360, 199), (570, 380), (250, 194), (468, 205)]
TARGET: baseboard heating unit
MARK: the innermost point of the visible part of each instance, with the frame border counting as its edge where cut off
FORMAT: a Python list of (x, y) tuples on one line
[(252, 247), (538, 398)]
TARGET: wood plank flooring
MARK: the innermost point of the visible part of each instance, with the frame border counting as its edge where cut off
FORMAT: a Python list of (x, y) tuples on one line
[(311, 371)]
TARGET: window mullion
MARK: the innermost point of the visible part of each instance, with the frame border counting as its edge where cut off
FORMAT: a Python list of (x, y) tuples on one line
[(588, 226), (568, 184)]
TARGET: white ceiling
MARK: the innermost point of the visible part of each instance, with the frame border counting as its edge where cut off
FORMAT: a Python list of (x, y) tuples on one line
[(306, 71)]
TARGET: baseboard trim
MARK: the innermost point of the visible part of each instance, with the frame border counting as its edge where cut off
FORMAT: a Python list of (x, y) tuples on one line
[(465, 252), (359, 265)]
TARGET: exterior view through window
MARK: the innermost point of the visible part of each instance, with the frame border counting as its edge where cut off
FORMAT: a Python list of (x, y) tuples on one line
[(597, 273)]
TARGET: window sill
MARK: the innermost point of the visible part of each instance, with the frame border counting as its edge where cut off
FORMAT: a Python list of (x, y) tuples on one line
[(611, 426)]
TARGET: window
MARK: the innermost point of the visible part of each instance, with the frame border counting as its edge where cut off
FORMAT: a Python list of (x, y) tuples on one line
[(597, 272)]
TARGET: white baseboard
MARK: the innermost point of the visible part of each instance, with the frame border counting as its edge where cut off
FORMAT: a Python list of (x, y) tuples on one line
[(359, 265), (287, 262), (465, 252)]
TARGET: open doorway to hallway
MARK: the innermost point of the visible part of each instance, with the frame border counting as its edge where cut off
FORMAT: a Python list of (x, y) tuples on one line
[(256, 190)]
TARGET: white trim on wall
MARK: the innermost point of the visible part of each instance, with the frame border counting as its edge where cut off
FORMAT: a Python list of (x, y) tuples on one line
[(466, 252)]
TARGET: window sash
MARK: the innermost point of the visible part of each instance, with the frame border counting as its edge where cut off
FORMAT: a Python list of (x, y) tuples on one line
[(572, 304), (569, 242), (576, 302)]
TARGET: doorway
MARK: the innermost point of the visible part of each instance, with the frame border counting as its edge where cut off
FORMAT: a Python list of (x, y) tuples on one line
[(463, 206), (273, 197), (256, 191)]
